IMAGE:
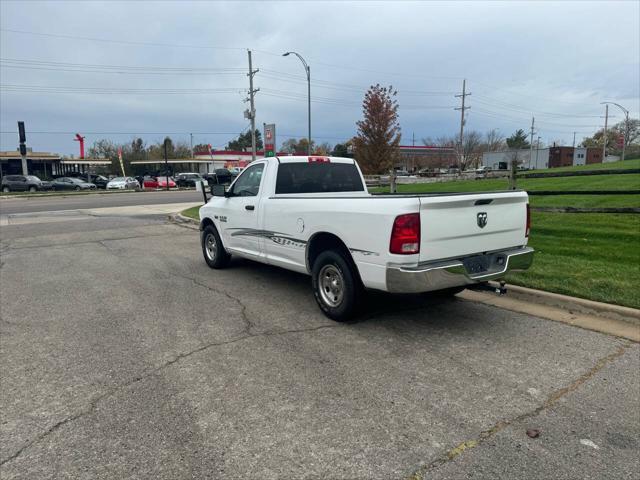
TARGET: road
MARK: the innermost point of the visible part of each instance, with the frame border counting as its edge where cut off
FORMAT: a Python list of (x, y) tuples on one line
[(25, 204), (124, 356)]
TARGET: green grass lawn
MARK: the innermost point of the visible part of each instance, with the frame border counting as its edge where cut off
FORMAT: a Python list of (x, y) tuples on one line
[(594, 256), (592, 182), (192, 212), (585, 201)]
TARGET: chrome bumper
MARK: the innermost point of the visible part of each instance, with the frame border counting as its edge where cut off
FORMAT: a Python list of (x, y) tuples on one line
[(458, 272)]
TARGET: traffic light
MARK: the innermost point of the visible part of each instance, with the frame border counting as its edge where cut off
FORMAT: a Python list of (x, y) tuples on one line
[(23, 136)]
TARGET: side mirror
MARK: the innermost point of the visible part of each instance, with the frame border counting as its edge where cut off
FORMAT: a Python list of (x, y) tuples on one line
[(218, 190)]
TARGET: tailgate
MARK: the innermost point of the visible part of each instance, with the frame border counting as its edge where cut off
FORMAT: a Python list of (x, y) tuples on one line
[(458, 225)]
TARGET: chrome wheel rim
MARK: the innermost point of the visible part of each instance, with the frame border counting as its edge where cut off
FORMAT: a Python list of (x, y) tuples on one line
[(210, 247), (331, 284)]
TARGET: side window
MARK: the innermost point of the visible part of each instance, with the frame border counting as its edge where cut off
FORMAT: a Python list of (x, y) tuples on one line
[(248, 183)]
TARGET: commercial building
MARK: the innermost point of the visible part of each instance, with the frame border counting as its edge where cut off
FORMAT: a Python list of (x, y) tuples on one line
[(414, 158), (46, 164), (538, 158)]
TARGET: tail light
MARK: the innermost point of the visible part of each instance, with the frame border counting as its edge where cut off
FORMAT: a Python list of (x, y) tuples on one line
[(528, 226), (405, 235)]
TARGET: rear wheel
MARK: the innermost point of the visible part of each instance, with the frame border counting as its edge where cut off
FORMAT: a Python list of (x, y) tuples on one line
[(336, 285), (6, 189), (77, 189), (214, 253), (32, 189)]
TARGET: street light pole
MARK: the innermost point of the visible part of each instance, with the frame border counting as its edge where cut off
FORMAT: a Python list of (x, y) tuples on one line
[(307, 70), (626, 124), (604, 138)]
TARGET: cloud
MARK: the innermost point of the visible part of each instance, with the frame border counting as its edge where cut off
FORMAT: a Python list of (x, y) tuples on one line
[(519, 59)]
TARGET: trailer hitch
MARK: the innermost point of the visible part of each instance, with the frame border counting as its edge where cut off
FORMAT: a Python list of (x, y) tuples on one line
[(499, 288)]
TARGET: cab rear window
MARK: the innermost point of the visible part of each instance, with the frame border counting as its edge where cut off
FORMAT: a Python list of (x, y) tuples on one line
[(318, 177)]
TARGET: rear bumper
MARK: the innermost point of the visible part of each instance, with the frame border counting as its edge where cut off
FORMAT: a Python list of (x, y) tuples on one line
[(453, 273)]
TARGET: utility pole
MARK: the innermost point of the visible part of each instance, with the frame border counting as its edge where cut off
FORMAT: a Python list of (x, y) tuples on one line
[(574, 139), (166, 163), (191, 143), (462, 109), (252, 110), (604, 140), (537, 150), (23, 148), (533, 121)]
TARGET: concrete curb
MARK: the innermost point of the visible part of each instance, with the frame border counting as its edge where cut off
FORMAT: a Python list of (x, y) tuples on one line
[(575, 304), (179, 218)]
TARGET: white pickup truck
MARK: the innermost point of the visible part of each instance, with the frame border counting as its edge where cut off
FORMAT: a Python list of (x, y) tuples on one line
[(314, 215)]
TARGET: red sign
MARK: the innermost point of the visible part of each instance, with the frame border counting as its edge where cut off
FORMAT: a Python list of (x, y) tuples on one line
[(620, 142)]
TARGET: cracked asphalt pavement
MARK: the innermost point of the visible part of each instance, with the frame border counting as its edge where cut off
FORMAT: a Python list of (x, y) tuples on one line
[(122, 355)]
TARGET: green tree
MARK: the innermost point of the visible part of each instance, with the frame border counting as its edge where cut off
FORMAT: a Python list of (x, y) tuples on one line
[(107, 150), (243, 142), (340, 150), (518, 140), (201, 149), (297, 146), (323, 149), (631, 134), (378, 138)]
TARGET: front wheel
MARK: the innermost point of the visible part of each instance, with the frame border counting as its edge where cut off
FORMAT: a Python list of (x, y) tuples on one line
[(77, 189), (32, 189), (336, 286), (6, 189), (214, 253)]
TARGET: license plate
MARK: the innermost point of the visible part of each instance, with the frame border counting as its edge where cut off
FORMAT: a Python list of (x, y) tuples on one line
[(478, 264)]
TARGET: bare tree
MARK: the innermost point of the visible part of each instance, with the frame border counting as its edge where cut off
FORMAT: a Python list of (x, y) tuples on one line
[(494, 141), (471, 149)]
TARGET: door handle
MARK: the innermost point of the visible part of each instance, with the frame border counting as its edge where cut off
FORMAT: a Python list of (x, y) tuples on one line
[(249, 207)]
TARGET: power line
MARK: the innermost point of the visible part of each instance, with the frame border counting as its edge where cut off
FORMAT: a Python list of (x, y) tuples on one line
[(118, 133), (114, 90), (123, 42)]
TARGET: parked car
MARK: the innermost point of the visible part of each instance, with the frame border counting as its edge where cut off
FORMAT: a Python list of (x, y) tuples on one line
[(427, 172), (150, 182), (99, 180), (123, 183), (481, 172), (220, 176), (313, 215), (188, 179), (69, 183), (162, 182), (235, 171), (23, 183)]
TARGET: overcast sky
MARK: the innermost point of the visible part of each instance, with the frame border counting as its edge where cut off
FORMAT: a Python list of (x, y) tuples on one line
[(554, 60)]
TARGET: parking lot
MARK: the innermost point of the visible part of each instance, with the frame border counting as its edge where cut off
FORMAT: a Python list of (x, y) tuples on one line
[(124, 356)]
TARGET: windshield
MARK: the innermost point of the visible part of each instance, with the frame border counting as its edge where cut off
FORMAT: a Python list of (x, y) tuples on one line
[(76, 180), (33, 178), (119, 179)]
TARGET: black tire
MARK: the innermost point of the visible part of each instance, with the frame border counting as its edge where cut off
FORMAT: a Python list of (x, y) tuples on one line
[(332, 267), (77, 189), (214, 253), (32, 189)]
